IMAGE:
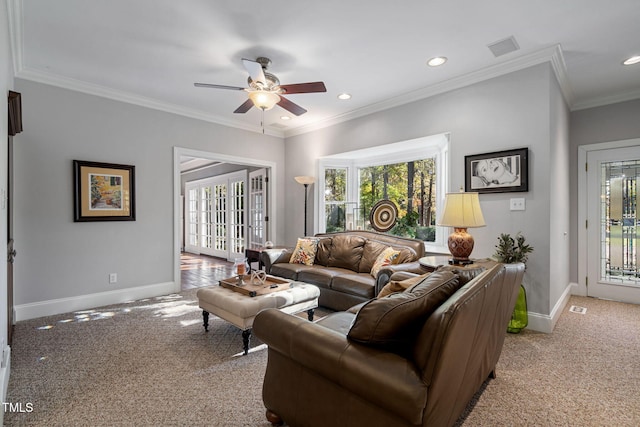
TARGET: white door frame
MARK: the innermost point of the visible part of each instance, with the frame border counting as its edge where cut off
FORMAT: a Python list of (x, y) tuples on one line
[(583, 150), (181, 151)]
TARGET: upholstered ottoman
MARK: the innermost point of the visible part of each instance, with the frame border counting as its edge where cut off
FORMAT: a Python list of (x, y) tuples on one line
[(240, 310)]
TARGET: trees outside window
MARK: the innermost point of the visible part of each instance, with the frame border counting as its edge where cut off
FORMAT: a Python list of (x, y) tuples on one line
[(412, 187)]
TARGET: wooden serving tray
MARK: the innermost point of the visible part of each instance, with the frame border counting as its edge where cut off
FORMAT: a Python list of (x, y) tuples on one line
[(271, 284)]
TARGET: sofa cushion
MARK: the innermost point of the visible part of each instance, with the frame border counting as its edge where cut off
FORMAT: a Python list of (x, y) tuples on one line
[(359, 284), (288, 271), (305, 251), (321, 276), (400, 285), (346, 251), (393, 321), (324, 251), (372, 248), (465, 274)]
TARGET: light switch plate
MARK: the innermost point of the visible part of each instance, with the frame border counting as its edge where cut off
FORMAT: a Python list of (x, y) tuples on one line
[(517, 204)]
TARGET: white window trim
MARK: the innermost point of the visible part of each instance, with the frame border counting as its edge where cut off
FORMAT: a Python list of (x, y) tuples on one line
[(415, 149)]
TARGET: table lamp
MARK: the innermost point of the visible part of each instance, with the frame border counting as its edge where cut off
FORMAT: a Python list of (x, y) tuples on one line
[(461, 211)]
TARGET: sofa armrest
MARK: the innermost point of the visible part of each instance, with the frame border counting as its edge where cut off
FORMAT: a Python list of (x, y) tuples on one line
[(268, 257), (385, 273), (363, 370)]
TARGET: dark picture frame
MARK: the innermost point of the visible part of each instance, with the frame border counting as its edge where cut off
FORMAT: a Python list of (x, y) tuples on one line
[(497, 172), (103, 192)]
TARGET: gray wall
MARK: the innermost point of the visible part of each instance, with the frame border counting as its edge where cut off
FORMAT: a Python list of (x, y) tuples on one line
[(6, 83), (63, 259), (506, 112), (614, 122)]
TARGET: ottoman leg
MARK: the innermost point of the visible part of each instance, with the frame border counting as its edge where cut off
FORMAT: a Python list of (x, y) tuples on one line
[(245, 340), (205, 320), (310, 313)]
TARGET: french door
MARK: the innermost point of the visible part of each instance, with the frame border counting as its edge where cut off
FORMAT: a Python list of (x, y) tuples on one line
[(216, 215), (613, 224), (258, 215)]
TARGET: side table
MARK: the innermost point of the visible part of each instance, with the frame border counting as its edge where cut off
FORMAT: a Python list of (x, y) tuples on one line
[(253, 255), (432, 262)]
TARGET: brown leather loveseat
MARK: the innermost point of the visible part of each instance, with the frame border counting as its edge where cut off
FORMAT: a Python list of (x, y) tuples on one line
[(343, 264), (413, 358)]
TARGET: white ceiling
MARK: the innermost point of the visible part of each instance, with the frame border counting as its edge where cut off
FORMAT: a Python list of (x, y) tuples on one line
[(150, 52)]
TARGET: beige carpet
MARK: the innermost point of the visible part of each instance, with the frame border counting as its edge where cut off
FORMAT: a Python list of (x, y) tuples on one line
[(151, 363)]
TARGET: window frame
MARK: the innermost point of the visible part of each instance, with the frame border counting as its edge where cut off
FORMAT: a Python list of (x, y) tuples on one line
[(435, 146)]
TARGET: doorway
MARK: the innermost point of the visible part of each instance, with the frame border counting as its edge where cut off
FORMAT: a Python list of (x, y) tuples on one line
[(267, 217), (612, 222)]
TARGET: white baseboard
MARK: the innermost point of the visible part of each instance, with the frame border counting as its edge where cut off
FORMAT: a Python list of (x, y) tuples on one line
[(83, 302), (547, 322), (5, 369)]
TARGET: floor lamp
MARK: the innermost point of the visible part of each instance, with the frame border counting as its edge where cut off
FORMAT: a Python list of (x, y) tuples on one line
[(305, 180)]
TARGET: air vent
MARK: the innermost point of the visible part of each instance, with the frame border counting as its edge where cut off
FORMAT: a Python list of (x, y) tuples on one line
[(577, 309), (502, 47)]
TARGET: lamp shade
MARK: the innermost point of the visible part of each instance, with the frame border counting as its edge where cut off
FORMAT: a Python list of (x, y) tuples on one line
[(305, 180), (263, 99), (462, 210)]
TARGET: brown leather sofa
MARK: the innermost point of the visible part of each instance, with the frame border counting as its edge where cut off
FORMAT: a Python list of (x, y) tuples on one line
[(326, 374), (342, 266)]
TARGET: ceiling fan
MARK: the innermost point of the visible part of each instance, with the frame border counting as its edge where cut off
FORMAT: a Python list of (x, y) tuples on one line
[(265, 90)]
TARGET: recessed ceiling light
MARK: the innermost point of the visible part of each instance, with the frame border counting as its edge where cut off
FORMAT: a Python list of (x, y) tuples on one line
[(436, 61), (632, 60), (285, 118), (344, 96)]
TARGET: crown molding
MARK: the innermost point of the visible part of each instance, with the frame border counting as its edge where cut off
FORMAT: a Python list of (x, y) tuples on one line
[(607, 100), (122, 96), (552, 54)]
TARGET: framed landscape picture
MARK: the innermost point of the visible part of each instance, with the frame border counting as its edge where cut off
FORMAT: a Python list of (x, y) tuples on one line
[(103, 192), (498, 172)]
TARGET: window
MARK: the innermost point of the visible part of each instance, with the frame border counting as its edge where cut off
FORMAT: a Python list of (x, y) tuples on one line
[(335, 198), (412, 174)]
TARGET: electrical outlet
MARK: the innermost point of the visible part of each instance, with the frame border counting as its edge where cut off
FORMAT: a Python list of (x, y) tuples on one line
[(517, 204), (113, 278)]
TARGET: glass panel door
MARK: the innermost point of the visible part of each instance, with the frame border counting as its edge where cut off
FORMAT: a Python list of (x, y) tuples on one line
[(612, 224), (257, 208)]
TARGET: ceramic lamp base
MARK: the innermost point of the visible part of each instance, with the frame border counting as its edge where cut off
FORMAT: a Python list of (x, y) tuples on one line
[(460, 245)]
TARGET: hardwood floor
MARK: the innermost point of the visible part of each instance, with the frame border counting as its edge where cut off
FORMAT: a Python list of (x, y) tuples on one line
[(197, 271)]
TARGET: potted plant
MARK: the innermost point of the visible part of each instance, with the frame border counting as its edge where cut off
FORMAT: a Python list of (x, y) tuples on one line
[(510, 250)]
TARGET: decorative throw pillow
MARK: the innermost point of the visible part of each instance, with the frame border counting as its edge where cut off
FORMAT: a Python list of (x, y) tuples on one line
[(384, 259), (305, 251), (400, 285), (392, 322)]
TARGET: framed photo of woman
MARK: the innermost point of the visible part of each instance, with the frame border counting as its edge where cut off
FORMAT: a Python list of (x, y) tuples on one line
[(498, 172)]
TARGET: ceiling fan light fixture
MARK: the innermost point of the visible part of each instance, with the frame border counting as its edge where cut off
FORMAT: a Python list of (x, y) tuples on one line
[(632, 60), (263, 99)]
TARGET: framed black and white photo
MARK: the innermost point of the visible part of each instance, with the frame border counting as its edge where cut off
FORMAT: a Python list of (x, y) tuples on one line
[(497, 172)]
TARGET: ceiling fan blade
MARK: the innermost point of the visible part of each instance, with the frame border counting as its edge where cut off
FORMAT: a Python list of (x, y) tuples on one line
[(291, 107), (255, 71), (304, 88), (217, 86), (246, 106)]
